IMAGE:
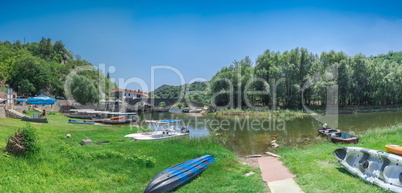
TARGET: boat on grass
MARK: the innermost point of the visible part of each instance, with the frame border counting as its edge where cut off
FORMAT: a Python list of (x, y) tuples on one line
[(158, 135), (375, 167), (164, 129), (178, 175), (81, 122), (327, 132), (343, 137), (83, 113), (115, 122), (397, 149), (35, 119)]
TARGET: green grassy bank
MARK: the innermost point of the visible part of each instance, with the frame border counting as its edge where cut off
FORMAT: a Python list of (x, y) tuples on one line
[(317, 169), (122, 165)]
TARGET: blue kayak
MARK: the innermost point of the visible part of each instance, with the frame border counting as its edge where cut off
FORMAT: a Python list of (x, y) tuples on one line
[(179, 174), (81, 122)]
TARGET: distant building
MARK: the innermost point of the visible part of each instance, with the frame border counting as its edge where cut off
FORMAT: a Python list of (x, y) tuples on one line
[(125, 93)]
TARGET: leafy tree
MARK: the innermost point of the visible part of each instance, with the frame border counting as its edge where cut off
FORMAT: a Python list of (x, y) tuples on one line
[(84, 90)]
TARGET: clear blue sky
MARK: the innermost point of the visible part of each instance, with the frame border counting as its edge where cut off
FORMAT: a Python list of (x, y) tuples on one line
[(198, 38)]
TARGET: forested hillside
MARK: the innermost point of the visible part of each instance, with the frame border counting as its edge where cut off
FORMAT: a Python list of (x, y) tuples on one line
[(196, 92), (42, 68)]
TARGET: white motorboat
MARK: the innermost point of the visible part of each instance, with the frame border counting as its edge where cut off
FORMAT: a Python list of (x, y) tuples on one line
[(159, 134)]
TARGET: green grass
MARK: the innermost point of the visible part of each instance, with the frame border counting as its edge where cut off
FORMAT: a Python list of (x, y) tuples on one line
[(317, 169), (122, 165)]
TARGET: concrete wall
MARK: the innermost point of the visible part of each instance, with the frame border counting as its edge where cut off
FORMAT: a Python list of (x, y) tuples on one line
[(2, 112)]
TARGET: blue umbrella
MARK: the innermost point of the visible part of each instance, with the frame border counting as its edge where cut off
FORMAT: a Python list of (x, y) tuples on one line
[(41, 100)]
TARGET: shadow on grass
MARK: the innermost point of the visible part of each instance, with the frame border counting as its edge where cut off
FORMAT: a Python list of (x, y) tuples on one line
[(343, 170)]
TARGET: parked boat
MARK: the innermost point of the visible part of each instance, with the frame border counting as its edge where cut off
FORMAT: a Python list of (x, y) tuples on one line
[(118, 117), (164, 129), (83, 113), (81, 122), (327, 132), (38, 119), (343, 137), (158, 135), (375, 167), (397, 149), (115, 122), (179, 175)]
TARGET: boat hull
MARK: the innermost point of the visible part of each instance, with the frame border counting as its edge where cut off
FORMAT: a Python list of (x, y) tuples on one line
[(375, 167), (343, 137), (179, 174), (156, 135), (80, 116), (40, 120), (81, 122), (397, 149), (327, 132), (114, 122)]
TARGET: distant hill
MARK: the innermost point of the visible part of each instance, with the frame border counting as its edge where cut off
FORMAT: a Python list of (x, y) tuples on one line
[(174, 92)]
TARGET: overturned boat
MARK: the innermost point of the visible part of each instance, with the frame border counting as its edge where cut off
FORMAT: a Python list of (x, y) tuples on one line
[(178, 175), (375, 167)]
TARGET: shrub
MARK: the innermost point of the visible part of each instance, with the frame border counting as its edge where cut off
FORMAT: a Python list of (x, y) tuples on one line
[(23, 142)]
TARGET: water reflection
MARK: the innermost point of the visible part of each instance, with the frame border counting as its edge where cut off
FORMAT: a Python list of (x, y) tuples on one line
[(253, 135)]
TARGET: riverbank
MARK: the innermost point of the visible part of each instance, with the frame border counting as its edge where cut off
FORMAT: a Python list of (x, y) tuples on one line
[(118, 165), (317, 169)]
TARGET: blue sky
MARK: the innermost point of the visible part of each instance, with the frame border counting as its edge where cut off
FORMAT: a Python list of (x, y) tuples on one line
[(198, 38)]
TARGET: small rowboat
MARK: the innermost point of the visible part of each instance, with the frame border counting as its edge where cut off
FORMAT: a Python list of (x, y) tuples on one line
[(375, 167), (81, 122), (327, 132), (116, 118), (397, 149), (179, 174), (343, 137), (41, 120)]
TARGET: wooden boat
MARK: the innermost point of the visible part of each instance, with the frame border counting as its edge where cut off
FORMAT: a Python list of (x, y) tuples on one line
[(178, 175), (80, 116), (41, 120), (375, 167), (114, 122), (81, 122), (397, 149), (327, 132), (343, 137), (118, 117)]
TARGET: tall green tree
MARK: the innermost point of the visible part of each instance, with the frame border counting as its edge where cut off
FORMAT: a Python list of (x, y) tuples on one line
[(84, 90)]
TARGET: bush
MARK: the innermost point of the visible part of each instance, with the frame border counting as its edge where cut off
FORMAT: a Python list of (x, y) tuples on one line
[(23, 142)]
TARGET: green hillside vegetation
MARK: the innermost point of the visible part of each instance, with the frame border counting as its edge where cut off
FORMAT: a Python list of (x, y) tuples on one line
[(196, 92), (42, 68)]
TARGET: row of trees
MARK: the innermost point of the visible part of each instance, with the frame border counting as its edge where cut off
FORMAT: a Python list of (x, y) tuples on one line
[(297, 77), (44, 67)]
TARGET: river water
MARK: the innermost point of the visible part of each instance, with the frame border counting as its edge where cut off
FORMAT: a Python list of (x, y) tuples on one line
[(253, 135)]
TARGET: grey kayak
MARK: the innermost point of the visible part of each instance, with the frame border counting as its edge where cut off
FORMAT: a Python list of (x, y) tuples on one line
[(375, 167)]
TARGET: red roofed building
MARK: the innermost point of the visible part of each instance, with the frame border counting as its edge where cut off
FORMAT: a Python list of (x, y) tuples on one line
[(125, 93)]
